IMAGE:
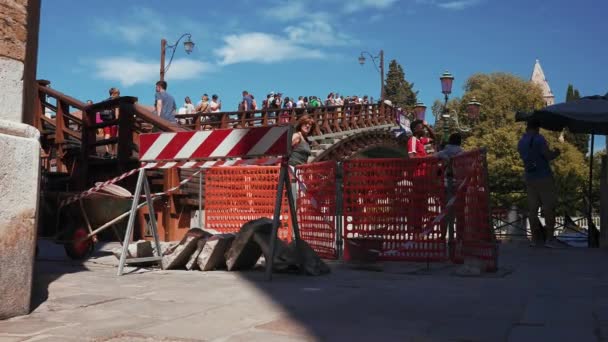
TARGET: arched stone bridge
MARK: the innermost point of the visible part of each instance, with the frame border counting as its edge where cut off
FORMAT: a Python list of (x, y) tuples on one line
[(340, 133)]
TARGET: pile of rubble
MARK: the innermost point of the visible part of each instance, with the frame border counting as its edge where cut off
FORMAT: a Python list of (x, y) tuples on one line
[(250, 247)]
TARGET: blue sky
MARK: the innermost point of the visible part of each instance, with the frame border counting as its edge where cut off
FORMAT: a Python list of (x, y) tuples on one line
[(310, 47)]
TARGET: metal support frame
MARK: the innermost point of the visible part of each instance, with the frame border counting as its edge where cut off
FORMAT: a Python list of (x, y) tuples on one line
[(450, 216), (339, 210), (284, 183), (142, 181)]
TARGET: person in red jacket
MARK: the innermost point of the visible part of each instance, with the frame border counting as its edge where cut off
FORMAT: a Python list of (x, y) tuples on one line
[(415, 145)]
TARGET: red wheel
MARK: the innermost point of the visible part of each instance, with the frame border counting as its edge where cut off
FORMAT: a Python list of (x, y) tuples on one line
[(77, 249)]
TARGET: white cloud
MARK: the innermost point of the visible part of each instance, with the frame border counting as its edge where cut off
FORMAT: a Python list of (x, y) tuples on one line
[(455, 5), (144, 25), (317, 32), (262, 47), (458, 5), (129, 71), (287, 10), (359, 5)]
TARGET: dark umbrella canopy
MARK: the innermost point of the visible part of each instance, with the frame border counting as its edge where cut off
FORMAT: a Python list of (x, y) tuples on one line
[(585, 115)]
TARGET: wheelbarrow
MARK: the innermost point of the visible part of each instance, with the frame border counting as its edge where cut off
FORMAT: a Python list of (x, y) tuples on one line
[(79, 223)]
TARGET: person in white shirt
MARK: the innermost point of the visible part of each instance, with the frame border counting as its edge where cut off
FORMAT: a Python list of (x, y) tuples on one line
[(188, 105), (300, 103)]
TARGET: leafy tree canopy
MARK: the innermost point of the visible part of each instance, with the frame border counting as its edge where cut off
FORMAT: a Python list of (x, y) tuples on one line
[(501, 95)]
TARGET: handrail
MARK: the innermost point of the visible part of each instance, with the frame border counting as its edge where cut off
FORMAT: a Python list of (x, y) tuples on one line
[(72, 102), (65, 127), (328, 119), (148, 116)]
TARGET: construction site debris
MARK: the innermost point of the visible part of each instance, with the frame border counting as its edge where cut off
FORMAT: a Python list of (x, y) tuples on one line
[(212, 256), (137, 249), (245, 252), (177, 257), (191, 264)]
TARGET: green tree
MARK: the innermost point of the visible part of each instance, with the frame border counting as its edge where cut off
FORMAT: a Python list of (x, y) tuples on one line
[(501, 95), (397, 89), (581, 141), (570, 93)]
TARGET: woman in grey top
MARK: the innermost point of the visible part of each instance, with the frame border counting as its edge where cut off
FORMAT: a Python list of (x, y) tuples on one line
[(300, 146)]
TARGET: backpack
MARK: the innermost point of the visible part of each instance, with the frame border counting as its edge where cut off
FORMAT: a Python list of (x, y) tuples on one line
[(107, 114)]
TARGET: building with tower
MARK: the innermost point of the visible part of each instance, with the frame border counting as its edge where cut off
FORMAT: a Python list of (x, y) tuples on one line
[(538, 78)]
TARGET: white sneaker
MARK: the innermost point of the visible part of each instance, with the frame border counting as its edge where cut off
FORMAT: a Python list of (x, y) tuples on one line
[(554, 243)]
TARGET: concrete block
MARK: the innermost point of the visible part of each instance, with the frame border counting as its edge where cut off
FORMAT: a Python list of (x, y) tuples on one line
[(282, 260), (191, 264), (311, 262), (138, 249), (245, 252), (179, 256), (165, 247), (212, 255), (19, 184)]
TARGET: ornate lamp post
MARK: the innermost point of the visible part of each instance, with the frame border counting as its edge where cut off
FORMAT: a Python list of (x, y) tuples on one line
[(381, 70), (446, 88), (188, 46), (420, 111), (473, 108)]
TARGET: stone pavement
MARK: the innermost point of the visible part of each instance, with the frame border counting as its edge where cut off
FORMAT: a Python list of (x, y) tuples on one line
[(538, 295)]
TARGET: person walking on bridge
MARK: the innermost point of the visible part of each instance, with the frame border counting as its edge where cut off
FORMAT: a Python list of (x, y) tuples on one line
[(164, 103)]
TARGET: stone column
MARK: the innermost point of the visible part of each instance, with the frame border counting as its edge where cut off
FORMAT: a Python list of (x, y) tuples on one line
[(19, 153)]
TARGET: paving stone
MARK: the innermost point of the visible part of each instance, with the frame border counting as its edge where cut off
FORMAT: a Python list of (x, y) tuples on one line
[(551, 333), (212, 256), (25, 326), (550, 310), (285, 326), (215, 322), (245, 252), (268, 337), (102, 328), (12, 339), (81, 300)]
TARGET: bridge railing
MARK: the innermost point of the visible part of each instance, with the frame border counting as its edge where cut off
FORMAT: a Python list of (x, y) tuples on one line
[(328, 119), (69, 130)]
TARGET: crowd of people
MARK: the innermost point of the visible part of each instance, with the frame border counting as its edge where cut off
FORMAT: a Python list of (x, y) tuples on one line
[(273, 100)]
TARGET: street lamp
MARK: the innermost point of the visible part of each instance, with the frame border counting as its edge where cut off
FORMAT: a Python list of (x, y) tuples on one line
[(188, 46), (420, 111), (381, 70), (446, 88), (472, 111)]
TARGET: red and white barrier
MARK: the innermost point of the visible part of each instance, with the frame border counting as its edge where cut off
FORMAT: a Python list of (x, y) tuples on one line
[(219, 143)]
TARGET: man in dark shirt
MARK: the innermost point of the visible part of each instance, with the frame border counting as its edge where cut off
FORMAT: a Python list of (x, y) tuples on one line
[(164, 103), (534, 152)]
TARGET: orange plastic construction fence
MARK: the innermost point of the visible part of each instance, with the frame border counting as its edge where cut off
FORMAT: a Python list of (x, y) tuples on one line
[(236, 195), (472, 217), (316, 206), (396, 205)]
